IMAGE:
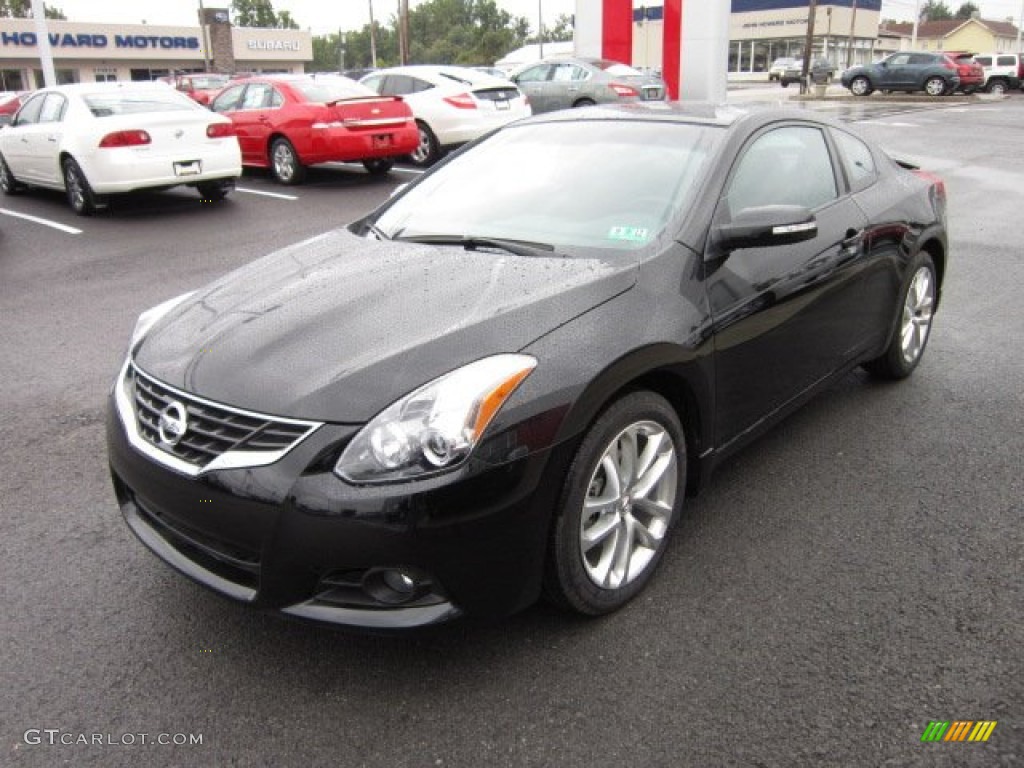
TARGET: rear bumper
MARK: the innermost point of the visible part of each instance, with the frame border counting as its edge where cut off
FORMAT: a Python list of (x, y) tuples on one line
[(340, 144), (115, 171)]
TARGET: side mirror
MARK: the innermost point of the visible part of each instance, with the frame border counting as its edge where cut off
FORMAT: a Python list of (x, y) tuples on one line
[(767, 226)]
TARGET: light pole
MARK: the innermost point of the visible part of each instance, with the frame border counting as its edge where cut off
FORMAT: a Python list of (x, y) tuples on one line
[(1020, 23), (540, 28), (917, 18), (373, 39)]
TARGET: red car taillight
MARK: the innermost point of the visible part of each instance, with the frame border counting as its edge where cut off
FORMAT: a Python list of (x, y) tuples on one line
[(220, 130), (125, 139), (461, 101), (624, 91)]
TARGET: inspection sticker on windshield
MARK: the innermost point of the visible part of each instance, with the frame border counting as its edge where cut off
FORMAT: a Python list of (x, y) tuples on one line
[(631, 234)]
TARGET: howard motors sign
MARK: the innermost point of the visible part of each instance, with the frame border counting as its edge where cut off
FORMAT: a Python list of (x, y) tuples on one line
[(69, 40)]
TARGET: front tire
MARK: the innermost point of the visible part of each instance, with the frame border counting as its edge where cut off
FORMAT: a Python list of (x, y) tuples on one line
[(583, 103), (621, 499), (861, 86), (80, 195), (935, 86), (917, 306), (285, 165)]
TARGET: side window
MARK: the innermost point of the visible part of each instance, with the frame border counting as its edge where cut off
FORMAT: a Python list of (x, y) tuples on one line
[(537, 74), (228, 100), (1002, 61), (785, 166), (256, 96), (858, 162), (397, 85), (53, 108), (563, 73), (374, 83), (985, 61), (29, 112), (418, 85), (921, 59), (899, 60), (276, 99)]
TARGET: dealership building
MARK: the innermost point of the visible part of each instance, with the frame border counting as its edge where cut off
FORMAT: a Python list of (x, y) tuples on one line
[(89, 52)]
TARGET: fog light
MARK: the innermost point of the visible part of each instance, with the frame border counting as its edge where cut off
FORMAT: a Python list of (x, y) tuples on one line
[(395, 586)]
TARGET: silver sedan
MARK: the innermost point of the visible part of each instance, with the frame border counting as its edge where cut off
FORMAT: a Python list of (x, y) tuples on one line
[(563, 83)]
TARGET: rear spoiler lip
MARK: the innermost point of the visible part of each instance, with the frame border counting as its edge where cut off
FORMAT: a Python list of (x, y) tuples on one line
[(351, 99)]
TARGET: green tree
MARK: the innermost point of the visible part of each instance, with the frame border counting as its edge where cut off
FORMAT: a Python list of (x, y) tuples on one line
[(260, 13), (935, 10), (966, 9), (561, 31), (463, 32), (22, 9)]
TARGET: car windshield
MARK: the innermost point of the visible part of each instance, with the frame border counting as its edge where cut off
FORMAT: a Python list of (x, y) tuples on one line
[(323, 91), (135, 101), (593, 184)]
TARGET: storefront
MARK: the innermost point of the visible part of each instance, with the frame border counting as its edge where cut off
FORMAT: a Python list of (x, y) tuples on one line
[(84, 52)]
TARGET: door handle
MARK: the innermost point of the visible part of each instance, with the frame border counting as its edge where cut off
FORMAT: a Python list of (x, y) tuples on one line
[(51, 138), (853, 243), (264, 119)]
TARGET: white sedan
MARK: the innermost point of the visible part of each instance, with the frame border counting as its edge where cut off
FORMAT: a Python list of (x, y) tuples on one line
[(452, 105), (97, 139)]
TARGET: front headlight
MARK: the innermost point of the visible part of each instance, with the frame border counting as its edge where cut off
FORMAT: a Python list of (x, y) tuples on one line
[(436, 427), (148, 318)]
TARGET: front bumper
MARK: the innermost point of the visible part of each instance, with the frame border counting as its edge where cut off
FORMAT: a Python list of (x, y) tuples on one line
[(293, 538)]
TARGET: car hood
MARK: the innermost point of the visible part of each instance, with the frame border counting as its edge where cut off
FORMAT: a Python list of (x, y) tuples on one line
[(338, 327)]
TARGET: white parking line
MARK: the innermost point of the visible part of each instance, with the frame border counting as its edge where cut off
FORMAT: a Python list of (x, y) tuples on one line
[(359, 166), (44, 222), (278, 195)]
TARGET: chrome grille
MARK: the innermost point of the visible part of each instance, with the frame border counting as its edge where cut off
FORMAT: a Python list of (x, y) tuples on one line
[(214, 431)]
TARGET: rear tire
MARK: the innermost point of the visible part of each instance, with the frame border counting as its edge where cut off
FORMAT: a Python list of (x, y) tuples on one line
[(583, 103), (913, 325), (80, 195), (8, 184), (935, 86), (285, 164), (997, 87), (622, 497), (212, 191), (378, 167), (429, 150)]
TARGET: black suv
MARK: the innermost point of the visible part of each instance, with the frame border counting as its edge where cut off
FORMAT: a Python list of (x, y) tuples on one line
[(933, 73)]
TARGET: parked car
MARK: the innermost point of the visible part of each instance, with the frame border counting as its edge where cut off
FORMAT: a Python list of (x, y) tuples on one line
[(93, 140), (1003, 71), (581, 82), (452, 105), (286, 123), (10, 102), (820, 71), (508, 377), (200, 87), (934, 73), (493, 72), (779, 67), (358, 74), (972, 76)]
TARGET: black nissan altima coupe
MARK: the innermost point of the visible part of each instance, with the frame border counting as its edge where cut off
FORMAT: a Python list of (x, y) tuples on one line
[(505, 380)]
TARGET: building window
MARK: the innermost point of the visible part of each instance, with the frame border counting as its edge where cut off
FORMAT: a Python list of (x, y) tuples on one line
[(12, 80), (105, 74), (64, 77)]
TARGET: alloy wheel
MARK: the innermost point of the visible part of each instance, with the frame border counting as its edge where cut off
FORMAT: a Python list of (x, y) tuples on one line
[(284, 162), (917, 314), (629, 505)]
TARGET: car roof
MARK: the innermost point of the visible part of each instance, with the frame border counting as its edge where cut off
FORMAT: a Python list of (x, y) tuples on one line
[(684, 112), (436, 73)]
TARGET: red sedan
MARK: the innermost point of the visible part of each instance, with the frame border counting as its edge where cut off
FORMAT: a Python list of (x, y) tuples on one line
[(286, 123)]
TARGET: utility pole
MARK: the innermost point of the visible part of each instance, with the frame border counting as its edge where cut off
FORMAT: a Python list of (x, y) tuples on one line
[(808, 45), (917, 18), (341, 51), (373, 39), (851, 39), (403, 31), (1020, 23)]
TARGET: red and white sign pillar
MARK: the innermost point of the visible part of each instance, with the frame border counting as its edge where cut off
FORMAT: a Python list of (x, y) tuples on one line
[(695, 48)]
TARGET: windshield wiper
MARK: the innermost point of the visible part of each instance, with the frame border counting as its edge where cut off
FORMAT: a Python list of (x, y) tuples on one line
[(518, 247)]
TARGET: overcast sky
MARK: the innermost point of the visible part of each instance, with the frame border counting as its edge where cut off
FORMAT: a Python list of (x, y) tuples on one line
[(330, 15)]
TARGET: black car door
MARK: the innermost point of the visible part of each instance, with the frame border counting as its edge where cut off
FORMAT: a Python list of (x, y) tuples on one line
[(782, 315)]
